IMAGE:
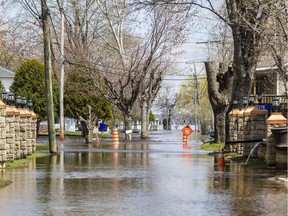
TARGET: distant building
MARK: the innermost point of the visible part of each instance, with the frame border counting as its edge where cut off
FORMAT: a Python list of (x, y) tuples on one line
[(7, 77)]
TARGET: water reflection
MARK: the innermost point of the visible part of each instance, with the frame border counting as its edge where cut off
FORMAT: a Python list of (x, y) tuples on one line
[(143, 178)]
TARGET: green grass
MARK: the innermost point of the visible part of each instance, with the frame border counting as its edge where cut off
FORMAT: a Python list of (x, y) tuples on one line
[(78, 133), (252, 163), (4, 183), (41, 147), (23, 162), (212, 146)]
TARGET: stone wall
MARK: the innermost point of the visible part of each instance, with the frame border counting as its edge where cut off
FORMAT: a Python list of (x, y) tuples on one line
[(17, 133), (246, 125)]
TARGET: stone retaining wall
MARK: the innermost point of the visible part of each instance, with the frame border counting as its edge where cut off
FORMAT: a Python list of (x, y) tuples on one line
[(251, 124), (17, 133), (246, 124)]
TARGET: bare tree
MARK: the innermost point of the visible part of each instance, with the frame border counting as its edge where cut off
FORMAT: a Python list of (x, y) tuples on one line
[(168, 32), (225, 84), (126, 64), (275, 37), (21, 36), (167, 102)]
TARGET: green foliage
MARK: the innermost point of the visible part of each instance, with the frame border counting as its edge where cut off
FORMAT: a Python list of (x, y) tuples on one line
[(1, 88), (203, 111), (80, 92), (29, 82), (151, 117)]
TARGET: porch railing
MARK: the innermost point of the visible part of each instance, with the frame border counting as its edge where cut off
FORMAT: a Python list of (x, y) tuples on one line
[(267, 98)]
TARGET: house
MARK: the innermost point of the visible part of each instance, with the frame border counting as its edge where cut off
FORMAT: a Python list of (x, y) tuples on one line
[(7, 77), (268, 80)]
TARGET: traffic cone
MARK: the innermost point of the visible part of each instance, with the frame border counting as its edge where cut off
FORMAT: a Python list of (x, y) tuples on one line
[(185, 139), (115, 136), (221, 160), (97, 139)]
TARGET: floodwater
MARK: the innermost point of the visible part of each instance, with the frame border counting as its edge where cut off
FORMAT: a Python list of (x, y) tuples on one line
[(155, 177)]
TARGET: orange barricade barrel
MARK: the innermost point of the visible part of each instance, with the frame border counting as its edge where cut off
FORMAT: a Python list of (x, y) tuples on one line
[(221, 160), (115, 136), (185, 139)]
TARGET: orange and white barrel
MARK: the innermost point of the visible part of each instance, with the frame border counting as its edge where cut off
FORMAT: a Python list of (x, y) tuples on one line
[(185, 139), (221, 160), (115, 136)]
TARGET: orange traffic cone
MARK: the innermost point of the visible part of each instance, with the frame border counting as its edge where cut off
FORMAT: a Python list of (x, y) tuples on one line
[(221, 160), (185, 139), (115, 136), (97, 139)]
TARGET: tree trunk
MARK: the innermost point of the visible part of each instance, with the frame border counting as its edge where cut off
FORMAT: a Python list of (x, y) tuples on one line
[(127, 123), (89, 135), (169, 119), (148, 109), (220, 124), (220, 94), (144, 134), (48, 78), (88, 125)]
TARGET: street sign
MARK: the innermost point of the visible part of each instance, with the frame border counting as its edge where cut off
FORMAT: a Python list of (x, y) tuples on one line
[(187, 130)]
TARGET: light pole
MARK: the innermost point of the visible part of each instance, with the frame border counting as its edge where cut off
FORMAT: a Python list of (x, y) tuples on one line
[(61, 99), (195, 98)]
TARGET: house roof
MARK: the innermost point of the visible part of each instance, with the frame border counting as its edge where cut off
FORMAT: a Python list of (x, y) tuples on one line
[(5, 73), (267, 62)]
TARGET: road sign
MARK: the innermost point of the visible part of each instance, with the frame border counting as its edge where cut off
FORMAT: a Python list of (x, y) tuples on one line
[(187, 130)]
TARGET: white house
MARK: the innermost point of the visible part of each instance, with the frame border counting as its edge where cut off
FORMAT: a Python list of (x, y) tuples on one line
[(7, 77)]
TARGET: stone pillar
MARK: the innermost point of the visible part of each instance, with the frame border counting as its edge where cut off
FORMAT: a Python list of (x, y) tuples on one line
[(247, 130), (23, 137), (29, 135), (258, 129), (10, 133), (276, 120), (240, 129), (2, 135), (233, 128), (33, 130), (16, 132)]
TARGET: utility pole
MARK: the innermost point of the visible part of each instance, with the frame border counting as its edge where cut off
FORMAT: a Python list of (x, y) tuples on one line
[(48, 77), (61, 99), (196, 98)]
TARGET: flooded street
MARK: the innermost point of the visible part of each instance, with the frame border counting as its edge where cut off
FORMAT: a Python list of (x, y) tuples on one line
[(155, 177)]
